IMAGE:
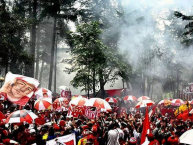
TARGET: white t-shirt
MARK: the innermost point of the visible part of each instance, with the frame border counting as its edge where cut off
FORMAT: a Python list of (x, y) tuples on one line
[(114, 135)]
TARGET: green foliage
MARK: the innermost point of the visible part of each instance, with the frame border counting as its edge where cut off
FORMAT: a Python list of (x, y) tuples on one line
[(12, 38), (93, 61), (186, 37)]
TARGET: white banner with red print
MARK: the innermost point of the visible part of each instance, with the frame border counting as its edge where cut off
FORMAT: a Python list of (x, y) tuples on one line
[(64, 140), (65, 92)]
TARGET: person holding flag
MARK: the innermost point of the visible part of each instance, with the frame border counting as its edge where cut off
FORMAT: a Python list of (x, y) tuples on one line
[(147, 138)]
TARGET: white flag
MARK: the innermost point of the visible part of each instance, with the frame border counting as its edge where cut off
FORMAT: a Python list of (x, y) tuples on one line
[(64, 140)]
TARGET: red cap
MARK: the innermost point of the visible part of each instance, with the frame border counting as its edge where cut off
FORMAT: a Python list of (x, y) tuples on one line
[(90, 136), (56, 127), (173, 140), (94, 128), (62, 123), (150, 135), (84, 127), (6, 140), (5, 132)]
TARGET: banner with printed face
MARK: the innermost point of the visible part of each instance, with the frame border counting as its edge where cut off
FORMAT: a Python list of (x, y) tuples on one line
[(64, 140), (65, 92), (92, 112), (18, 89)]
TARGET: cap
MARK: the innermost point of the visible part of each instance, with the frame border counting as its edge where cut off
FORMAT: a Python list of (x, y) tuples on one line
[(56, 127), (150, 135), (5, 132), (62, 123), (32, 131), (132, 140)]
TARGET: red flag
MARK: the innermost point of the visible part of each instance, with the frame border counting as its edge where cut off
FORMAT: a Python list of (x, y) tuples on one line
[(152, 111), (146, 129)]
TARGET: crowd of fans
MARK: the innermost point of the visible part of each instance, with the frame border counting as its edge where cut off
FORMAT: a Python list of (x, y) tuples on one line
[(108, 129)]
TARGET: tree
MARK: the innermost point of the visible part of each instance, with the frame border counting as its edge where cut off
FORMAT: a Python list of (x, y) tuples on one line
[(186, 35), (95, 63), (13, 40), (57, 10)]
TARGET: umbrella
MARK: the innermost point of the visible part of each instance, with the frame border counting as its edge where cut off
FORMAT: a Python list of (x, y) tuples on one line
[(177, 102), (21, 116), (99, 104), (131, 98), (79, 101), (111, 100), (187, 137), (43, 93), (42, 104), (144, 103), (143, 98), (191, 102), (165, 101), (75, 96)]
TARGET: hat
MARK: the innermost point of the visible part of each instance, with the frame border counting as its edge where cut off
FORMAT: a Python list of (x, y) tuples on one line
[(94, 128), (5, 132), (62, 123), (7, 141), (56, 127), (90, 136), (150, 135), (173, 140), (32, 131), (85, 127), (86, 132), (132, 140)]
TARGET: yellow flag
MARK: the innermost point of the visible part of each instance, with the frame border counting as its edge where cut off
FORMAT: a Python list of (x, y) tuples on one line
[(182, 108)]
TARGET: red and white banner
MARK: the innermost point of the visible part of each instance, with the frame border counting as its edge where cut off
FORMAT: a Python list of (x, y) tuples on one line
[(77, 110), (60, 103), (64, 140), (92, 112), (65, 92)]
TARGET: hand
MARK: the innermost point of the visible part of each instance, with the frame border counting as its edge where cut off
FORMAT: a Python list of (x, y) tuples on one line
[(6, 87)]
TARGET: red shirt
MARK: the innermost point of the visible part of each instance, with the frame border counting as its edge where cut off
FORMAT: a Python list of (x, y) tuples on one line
[(40, 121), (154, 142)]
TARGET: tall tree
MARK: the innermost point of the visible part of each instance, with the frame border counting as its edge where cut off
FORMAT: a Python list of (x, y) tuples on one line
[(13, 26), (95, 63)]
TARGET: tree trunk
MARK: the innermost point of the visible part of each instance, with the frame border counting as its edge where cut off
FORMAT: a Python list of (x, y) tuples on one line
[(52, 54), (143, 84), (101, 84), (94, 82), (41, 72), (55, 67), (129, 88), (37, 54), (33, 38)]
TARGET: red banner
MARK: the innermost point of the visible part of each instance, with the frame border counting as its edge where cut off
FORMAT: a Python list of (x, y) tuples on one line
[(114, 92), (77, 110), (92, 112)]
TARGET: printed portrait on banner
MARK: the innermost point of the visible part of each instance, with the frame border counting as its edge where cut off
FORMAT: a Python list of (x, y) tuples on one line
[(18, 89)]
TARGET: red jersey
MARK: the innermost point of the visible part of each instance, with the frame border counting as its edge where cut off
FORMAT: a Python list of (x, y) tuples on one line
[(154, 142)]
